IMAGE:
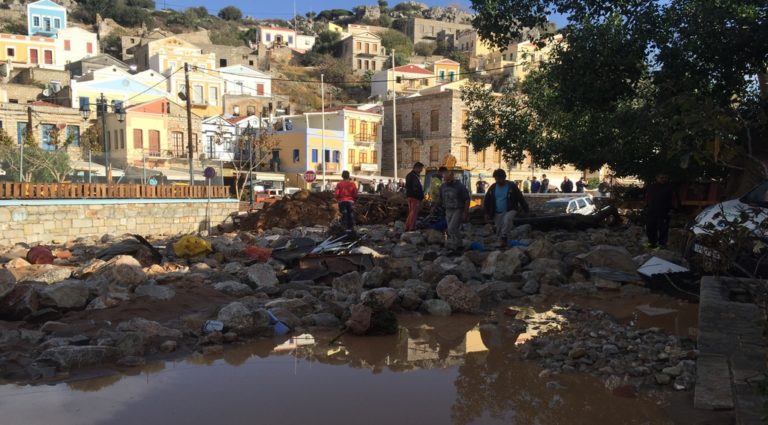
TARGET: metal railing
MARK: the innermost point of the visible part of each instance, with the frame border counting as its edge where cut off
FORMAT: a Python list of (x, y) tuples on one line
[(14, 190)]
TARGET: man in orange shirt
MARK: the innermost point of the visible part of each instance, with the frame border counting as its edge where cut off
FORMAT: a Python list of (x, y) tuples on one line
[(346, 195)]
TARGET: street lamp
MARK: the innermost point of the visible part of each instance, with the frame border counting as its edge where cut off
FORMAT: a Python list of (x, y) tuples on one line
[(101, 111)]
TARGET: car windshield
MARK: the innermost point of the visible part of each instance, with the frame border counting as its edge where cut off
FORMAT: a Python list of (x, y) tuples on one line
[(758, 196), (556, 206)]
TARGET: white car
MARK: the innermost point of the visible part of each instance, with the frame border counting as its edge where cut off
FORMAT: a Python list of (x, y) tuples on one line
[(579, 205), (750, 211)]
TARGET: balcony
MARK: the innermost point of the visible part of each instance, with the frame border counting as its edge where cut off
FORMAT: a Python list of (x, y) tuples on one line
[(365, 138), (410, 134), (330, 167)]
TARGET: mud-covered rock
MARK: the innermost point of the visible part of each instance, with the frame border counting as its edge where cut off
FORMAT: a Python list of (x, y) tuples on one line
[(68, 357), (69, 294), (458, 295), (239, 318), (262, 275), (348, 284), (436, 307)]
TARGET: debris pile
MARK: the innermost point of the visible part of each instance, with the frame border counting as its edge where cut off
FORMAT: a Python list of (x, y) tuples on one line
[(318, 209)]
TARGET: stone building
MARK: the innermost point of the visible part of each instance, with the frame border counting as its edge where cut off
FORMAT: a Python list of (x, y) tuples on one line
[(419, 29), (363, 52)]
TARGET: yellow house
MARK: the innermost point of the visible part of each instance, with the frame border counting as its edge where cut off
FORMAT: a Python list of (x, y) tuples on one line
[(335, 28), (446, 71), (25, 51), (527, 56), (168, 56), (469, 41), (362, 140)]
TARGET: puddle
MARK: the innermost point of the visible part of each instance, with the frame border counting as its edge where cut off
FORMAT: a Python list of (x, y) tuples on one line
[(434, 371)]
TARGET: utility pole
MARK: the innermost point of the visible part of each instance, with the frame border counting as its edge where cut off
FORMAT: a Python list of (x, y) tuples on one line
[(249, 139), (322, 117), (394, 117), (102, 108), (23, 142), (190, 146)]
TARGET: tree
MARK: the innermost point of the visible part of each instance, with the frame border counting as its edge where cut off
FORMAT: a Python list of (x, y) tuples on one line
[(230, 13), (334, 14), (641, 86), (254, 148), (392, 39), (424, 48), (327, 43)]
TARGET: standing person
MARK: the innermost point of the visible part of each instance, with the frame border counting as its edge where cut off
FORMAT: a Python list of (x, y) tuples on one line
[(481, 186), (535, 185), (527, 185), (414, 192), (567, 185), (544, 184), (380, 187), (401, 186), (346, 195), (434, 184), (581, 185), (454, 198), (661, 198), (392, 186), (501, 204)]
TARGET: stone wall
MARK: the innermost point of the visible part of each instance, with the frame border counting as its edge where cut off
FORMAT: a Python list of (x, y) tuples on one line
[(46, 221)]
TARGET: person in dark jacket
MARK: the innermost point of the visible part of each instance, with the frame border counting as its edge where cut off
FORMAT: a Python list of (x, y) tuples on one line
[(661, 198), (454, 199), (544, 184), (581, 185), (567, 185), (535, 185), (414, 192), (501, 204)]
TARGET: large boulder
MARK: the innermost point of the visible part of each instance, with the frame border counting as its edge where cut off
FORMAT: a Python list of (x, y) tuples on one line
[(158, 292), (7, 279), (48, 274), (19, 302), (122, 273), (148, 328), (541, 248), (233, 288), (373, 278), (322, 320), (457, 294), (571, 247), (72, 356), (244, 321), (295, 305), (287, 317), (503, 265), (348, 284), (69, 294), (436, 307), (547, 265), (384, 296), (262, 274), (612, 257)]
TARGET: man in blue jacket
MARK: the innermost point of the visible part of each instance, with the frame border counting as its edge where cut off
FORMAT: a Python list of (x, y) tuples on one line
[(501, 203)]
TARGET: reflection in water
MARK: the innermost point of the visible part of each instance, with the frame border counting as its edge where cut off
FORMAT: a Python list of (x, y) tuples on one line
[(490, 385)]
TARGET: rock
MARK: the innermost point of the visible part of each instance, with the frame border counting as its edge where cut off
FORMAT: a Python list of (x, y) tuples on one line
[(233, 268), (384, 296), (359, 319), (686, 381), (286, 316), (571, 247), (21, 301), (412, 238), (662, 379), (71, 356), (148, 327), (131, 361), (120, 274), (577, 353), (88, 268), (432, 273), (630, 290), (409, 299), (489, 265), (7, 280), (49, 274), (673, 371), (233, 288), (606, 284), (547, 265), (69, 294), (540, 248), (17, 263), (520, 232), (613, 257), (348, 284), (40, 255), (158, 292), (169, 346), (246, 322), (322, 320), (404, 250), (296, 306), (403, 267), (434, 237), (457, 294), (373, 278), (530, 287), (131, 344), (262, 274), (106, 301), (610, 349), (436, 307)]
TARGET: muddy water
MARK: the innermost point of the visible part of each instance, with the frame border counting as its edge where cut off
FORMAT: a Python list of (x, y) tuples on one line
[(435, 371)]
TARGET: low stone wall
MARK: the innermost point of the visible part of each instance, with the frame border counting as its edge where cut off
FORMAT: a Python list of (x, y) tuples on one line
[(46, 221)]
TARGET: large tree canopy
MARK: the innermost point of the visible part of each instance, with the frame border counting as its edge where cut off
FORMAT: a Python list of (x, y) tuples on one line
[(640, 85)]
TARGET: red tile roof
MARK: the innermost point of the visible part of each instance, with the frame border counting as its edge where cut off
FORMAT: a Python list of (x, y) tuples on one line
[(412, 69)]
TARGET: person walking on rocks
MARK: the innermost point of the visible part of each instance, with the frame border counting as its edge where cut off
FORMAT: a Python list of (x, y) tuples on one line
[(454, 198), (414, 192), (567, 185), (346, 195), (661, 198), (544, 184), (501, 204)]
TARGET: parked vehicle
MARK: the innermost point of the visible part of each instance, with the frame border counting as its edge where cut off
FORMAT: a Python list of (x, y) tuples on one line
[(579, 205)]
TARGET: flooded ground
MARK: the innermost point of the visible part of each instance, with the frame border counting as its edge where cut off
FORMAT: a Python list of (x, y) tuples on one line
[(435, 371)]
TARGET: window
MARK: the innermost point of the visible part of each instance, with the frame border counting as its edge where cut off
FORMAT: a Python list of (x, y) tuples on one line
[(10, 52), (367, 64), (36, 21), (375, 48), (363, 157), (368, 48), (89, 47), (399, 120), (314, 155), (358, 46), (481, 156), (497, 157), (434, 154), (359, 64), (260, 89), (47, 24), (33, 56), (327, 155), (122, 138), (352, 126), (351, 156), (48, 57), (451, 75), (364, 128), (222, 63), (373, 65), (268, 37), (67, 46), (109, 144), (415, 154), (154, 142), (434, 120), (374, 130), (251, 110), (45, 137), (416, 122), (56, 23), (464, 154), (464, 116), (442, 75), (177, 140), (116, 139), (375, 157), (425, 81), (290, 39), (197, 94), (138, 138), (296, 156), (213, 95)]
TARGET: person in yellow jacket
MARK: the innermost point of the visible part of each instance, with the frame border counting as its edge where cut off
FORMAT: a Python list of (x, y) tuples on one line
[(434, 185)]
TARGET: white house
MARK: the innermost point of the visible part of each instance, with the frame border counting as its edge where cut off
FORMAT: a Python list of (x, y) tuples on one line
[(270, 36), (305, 42), (219, 136), (242, 80), (74, 44)]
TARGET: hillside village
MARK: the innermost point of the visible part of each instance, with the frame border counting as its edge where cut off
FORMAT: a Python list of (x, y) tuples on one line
[(107, 94)]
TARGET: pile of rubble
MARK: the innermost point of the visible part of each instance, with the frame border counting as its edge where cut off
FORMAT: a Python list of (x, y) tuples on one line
[(320, 209)]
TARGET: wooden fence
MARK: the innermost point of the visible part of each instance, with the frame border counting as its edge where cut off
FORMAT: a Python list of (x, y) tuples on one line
[(14, 190)]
